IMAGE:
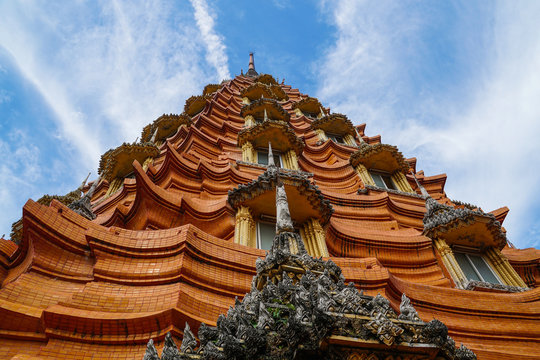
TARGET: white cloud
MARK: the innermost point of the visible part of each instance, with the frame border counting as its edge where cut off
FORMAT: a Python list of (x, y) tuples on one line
[(108, 69), (215, 48), (105, 69), (484, 135)]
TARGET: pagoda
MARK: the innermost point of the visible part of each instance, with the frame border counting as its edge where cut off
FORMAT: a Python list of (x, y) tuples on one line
[(257, 224)]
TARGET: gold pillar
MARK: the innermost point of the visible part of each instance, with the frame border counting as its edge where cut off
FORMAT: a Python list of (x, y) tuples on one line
[(364, 175), (244, 230), (503, 268), (401, 182), (114, 186), (447, 256), (321, 134), (147, 162), (248, 153), (290, 161), (349, 140), (249, 121), (293, 246), (314, 239)]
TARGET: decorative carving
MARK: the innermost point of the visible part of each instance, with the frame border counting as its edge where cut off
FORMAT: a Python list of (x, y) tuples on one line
[(268, 181), (189, 343), (381, 157), (165, 125), (151, 352), (118, 162), (474, 284), (296, 301), (196, 104), (407, 311), (392, 191), (274, 109), (170, 351), (441, 219), (336, 123)]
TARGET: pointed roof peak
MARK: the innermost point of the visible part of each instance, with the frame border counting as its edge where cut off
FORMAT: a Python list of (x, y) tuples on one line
[(251, 71)]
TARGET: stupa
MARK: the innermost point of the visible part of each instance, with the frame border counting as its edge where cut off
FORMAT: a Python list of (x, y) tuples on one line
[(259, 224)]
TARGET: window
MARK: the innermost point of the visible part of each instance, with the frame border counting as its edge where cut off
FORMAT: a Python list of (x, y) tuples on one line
[(383, 180), (265, 235), (475, 268), (336, 138), (262, 158)]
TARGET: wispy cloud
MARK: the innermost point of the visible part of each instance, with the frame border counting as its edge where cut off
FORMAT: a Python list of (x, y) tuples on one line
[(105, 70), (215, 48), (480, 123)]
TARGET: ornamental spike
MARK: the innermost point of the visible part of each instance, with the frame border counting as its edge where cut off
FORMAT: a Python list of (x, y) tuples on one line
[(283, 216), (422, 189), (265, 115), (271, 163), (153, 139), (84, 181), (322, 111)]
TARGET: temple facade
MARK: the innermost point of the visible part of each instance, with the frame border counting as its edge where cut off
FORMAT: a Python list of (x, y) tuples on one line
[(259, 224)]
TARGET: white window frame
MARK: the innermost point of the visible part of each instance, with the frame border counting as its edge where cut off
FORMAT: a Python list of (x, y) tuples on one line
[(259, 231), (476, 270), (374, 173)]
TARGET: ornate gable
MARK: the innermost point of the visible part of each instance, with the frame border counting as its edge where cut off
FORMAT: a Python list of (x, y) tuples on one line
[(381, 157), (462, 226), (273, 109)]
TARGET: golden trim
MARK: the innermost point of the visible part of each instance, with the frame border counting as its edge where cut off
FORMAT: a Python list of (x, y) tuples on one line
[(364, 175)]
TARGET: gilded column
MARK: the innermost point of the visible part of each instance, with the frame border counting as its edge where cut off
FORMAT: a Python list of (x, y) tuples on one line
[(249, 121), (503, 268), (244, 231), (349, 140), (292, 160), (321, 134), (147, 162), (364, 175), (114, 186), (248, 153), (447, 256), (401, 182), (319, 237)]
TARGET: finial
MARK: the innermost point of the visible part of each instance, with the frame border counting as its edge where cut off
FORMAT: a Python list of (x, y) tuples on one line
[(422, 189), (322, 111), (271, 162), (84, 181), (251, 71), (265, 115), (153, 139), (137, 139), (251, 61), (90, 191), (242, 72), (283, 216), (358, 135)]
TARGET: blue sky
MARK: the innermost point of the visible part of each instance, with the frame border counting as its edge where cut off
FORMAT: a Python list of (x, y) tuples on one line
[(455, 84)]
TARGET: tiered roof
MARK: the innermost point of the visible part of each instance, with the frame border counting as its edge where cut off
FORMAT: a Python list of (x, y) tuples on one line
[(160, 251)]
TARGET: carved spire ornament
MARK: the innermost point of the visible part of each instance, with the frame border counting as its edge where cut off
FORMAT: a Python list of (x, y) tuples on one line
[(251, 71), (271, 163), (153, 139), (283, 216), (422, 189), (83, 206)]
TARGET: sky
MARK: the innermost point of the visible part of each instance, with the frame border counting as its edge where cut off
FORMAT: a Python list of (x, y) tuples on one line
[(454, 84)]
